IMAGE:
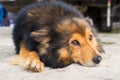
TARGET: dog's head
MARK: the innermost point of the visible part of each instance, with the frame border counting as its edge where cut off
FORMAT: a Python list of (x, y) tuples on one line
[(69, 41)]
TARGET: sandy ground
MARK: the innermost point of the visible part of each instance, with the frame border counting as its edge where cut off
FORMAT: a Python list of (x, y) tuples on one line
[(109, 69)]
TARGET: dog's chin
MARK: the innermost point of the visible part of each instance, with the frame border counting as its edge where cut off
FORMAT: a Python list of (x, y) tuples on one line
[(90, 64)]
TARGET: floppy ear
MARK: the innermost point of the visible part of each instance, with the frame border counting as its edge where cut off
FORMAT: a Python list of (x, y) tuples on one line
[(40, 35), (89, 20)]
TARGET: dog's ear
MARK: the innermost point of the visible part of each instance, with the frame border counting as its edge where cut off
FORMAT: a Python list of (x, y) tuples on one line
[(89, 20), (41, 35)]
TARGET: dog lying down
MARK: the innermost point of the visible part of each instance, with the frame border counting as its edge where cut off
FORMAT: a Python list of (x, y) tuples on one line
[(54, 34)]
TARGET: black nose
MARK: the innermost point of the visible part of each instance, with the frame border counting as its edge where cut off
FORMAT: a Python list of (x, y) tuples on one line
[(97, 59)]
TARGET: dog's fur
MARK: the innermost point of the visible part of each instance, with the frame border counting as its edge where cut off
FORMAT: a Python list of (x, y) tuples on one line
[(54, 34)]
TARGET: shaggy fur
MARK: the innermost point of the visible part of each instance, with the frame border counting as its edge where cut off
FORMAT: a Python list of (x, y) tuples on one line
[(48, 29)]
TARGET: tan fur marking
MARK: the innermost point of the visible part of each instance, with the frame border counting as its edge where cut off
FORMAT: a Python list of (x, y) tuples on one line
[(39, 32), (64, 55), (28, 59), (76, 51), (41, 36), (93, 44), (30, 14), (23, 51)]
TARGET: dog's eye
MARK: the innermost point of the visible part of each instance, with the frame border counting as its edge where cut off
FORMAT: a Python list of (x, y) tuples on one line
[(75, 43), (90, 37)]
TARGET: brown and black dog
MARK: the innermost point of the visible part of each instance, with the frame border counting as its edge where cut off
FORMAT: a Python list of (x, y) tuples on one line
[(54, 34)]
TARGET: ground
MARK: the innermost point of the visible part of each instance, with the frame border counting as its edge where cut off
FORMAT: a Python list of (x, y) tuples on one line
[(109, 68)]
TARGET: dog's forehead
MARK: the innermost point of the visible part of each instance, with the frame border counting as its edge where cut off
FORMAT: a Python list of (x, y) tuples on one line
[(73, 25)]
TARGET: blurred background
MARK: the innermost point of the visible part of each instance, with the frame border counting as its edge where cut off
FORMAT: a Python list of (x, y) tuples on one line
[(105, 13)]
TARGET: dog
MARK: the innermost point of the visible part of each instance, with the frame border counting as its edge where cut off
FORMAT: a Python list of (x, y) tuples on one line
[(54, 34)]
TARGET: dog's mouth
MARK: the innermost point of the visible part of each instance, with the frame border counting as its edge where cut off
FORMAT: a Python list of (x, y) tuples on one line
[(88, 64), (94, 62)]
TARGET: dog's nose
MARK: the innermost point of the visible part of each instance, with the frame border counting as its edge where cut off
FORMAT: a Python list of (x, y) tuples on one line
[(97, 59)]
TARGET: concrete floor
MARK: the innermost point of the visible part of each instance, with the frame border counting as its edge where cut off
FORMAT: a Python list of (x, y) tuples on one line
[(109, 69)]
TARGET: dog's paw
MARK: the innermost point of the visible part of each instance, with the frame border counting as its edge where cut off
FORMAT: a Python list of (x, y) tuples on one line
[(34, 65)]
